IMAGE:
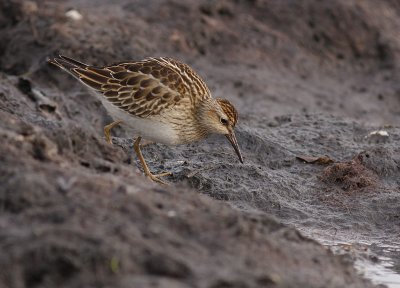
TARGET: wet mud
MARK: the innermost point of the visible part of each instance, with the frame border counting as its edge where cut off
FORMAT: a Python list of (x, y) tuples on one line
[(316, 85)]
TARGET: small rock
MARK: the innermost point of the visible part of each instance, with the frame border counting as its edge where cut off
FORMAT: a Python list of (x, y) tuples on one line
[(74, 15)]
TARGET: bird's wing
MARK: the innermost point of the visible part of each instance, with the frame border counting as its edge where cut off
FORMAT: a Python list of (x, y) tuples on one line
[(193, 82), (144, 88)]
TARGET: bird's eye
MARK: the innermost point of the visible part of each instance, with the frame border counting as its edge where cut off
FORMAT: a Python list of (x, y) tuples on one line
[(224, 121)]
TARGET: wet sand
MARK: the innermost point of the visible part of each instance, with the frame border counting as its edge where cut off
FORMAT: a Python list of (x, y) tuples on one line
[(310, 79)]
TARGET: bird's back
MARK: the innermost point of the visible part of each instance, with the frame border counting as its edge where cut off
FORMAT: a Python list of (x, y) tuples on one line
[(144, 88)]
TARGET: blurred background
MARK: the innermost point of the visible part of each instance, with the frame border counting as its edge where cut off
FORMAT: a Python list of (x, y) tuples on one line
[(310, 78), (272, 57)]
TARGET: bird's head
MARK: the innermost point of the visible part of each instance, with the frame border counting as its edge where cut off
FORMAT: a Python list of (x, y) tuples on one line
[(219, 116)]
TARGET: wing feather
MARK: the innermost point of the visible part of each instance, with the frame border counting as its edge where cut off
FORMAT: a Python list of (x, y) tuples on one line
[(144, 88)]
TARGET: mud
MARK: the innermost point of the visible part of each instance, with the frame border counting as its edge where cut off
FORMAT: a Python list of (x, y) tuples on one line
[(309, 78)]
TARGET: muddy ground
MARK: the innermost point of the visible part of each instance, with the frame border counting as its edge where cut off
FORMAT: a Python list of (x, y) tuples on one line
[(309, 78)]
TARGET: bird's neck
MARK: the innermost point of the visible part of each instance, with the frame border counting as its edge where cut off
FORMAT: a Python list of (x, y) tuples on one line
[(203, 109), (202, 116)]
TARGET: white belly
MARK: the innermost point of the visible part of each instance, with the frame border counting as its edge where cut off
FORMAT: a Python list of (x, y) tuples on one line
[(147, 128)]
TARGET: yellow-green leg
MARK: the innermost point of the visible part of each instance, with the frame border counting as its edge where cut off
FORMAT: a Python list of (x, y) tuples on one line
[(146, 169), (107, 130)]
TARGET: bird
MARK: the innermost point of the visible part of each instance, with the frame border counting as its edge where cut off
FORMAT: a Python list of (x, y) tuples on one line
[(159, 99)]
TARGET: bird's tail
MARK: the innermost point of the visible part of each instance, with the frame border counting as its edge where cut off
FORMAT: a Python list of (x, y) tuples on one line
[(92, 76), (67, 64)]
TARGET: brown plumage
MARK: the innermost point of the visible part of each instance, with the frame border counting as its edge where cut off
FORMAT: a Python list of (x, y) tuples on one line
[(229, 110), (161, 99)]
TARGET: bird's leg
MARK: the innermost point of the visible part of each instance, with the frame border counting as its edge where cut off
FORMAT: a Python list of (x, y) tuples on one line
[(107, 130), (146, 169)]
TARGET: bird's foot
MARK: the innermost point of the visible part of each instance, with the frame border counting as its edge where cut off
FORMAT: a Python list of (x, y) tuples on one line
[(107, 130), (156, 177)]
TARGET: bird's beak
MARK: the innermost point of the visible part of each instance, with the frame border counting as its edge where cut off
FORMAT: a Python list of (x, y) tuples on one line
[(232, 138)]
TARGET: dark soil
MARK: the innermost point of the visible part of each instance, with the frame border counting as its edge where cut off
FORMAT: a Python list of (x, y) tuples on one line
[(309, 78)]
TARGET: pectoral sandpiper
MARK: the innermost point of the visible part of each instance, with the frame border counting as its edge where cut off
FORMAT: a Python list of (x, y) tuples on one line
[(159, 99)]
